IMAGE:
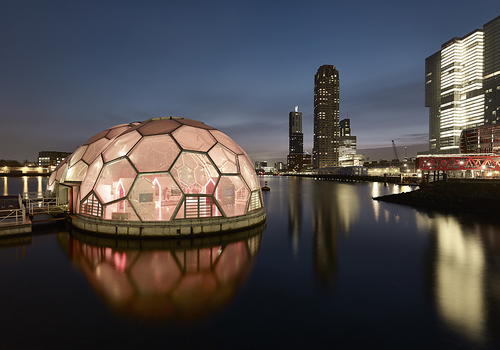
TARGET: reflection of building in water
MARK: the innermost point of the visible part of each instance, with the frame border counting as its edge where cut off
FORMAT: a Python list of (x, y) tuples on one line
[(347, 204), (339, 210), (325, 226), (458, 275), (165, 281), (295, 211)]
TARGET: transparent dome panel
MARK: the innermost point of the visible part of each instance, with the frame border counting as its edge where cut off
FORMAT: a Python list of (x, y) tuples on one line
[(248, 173), (195, 123), (159, 127), (120, 146), (194, 139), (59, 171), (114, 132), (232, 194), (96, 137), (154, 153), (155, 197), (94, 149), (115, 180), (91, 176), (224, 159), (63, 171), (77, 155), (77, 172), (195, 173), (121, 211), (51, 182), (226, 141)]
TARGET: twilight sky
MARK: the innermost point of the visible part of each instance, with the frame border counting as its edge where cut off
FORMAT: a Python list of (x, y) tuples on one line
[(69, 69)]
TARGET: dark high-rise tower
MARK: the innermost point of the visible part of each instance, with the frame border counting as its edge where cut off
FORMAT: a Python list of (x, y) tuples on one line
[(295, 134), (326, 117)]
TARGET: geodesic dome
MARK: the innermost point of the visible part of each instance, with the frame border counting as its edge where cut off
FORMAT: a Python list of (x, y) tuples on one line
[(162, 169)]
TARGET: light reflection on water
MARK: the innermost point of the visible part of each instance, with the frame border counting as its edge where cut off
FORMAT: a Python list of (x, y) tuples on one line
[(332, 268), (164, 280)]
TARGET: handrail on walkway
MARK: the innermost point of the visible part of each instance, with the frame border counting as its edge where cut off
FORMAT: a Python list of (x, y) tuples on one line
[(13, 216), (45, 203)]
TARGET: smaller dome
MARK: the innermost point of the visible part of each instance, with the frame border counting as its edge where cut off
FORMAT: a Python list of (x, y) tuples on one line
[(189, 176)]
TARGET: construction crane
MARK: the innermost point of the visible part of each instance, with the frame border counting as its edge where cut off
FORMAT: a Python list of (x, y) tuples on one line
[(396, 154)]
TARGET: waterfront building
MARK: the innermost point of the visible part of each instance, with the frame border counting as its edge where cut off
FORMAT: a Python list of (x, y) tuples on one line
[(347, 142), (482, 139), (51, 158), (462, 86), (326, 117), (259, 164), (162, 176)]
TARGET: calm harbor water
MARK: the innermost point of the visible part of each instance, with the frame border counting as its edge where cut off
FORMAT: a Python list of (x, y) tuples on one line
[(331, 269)]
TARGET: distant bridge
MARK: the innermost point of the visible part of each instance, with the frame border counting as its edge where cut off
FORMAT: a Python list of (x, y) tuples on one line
[(476, 161)]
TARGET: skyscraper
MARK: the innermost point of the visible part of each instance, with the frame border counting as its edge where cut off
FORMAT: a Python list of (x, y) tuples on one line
[(326, 117), (295, 135), (347, 142), (296, 159), (462, 86)]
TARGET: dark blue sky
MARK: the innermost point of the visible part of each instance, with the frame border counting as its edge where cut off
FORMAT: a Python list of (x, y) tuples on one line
[(69, 69)]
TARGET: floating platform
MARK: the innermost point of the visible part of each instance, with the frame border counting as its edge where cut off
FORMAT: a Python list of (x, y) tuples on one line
[(9, 228)]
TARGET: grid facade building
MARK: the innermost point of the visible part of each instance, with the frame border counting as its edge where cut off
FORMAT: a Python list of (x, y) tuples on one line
[(462, 86), (326, 117)]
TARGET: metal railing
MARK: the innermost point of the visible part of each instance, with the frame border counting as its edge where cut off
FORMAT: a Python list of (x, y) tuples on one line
[(38, 203), (13, 216)]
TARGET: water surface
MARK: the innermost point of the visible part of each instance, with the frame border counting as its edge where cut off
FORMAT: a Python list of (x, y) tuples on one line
[(332, 268)]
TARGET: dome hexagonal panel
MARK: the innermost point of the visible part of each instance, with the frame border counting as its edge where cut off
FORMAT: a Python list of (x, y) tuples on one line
[(224, 159), (90, 178), (232, 194), (115, 180), (77, 155), (158, 127), (248, 173), (195, 173), (96, 137), (117, 130), (121, 210), (226, 141), (120, 146), (154, 153), (94, 149), (155, 197), (77, 172), (195, 123), (194, 139)]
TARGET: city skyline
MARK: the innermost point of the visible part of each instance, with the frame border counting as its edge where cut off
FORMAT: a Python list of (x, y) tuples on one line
[(70, 70)]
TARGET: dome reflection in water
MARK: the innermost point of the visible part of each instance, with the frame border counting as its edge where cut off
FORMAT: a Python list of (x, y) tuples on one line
[(165, 280)]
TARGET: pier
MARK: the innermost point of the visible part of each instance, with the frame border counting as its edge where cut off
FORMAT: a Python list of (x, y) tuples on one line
[(18, 213), (403, 180)]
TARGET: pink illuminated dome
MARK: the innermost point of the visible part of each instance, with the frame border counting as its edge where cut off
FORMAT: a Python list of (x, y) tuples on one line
[(163, 176)]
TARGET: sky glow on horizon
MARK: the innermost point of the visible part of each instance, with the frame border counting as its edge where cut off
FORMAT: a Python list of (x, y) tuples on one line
[(69, 70)]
